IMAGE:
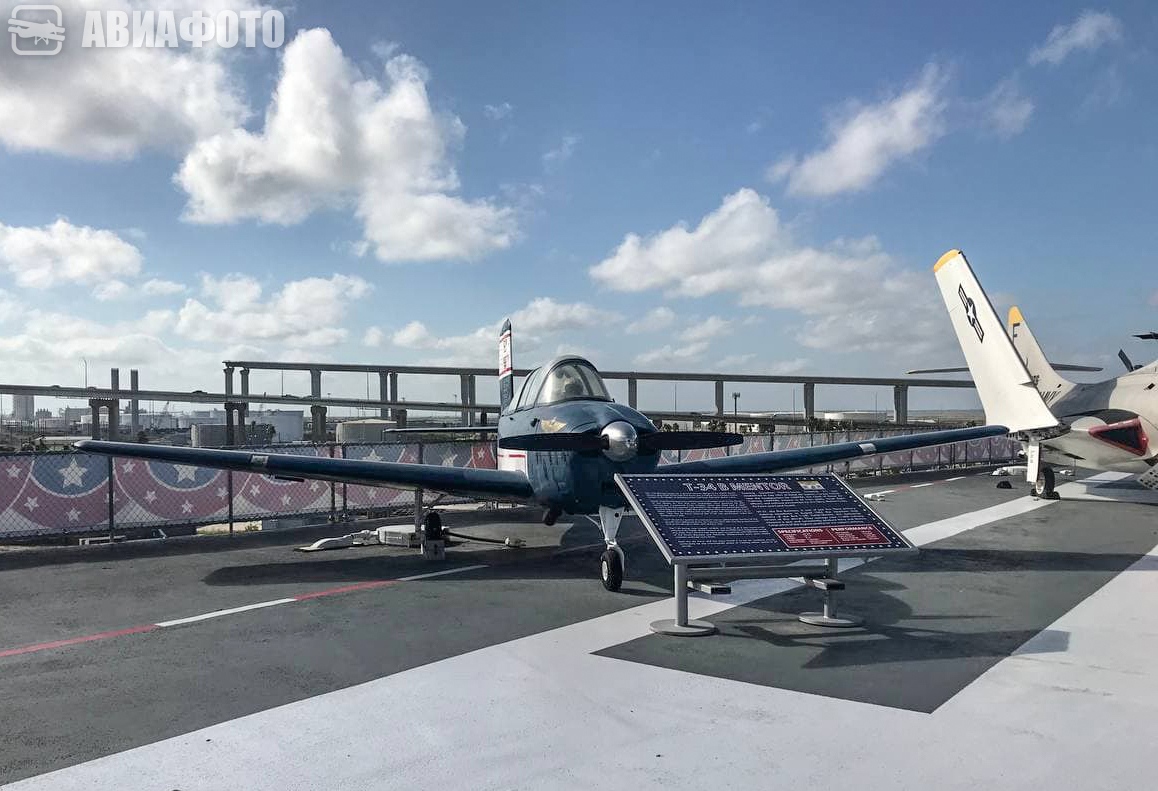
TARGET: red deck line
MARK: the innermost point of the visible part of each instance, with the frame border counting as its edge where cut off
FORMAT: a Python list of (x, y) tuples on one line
[(29, 649), (360, 586)]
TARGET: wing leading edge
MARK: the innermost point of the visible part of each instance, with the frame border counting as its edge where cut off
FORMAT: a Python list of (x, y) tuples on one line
[(481, 484), (779, 460)]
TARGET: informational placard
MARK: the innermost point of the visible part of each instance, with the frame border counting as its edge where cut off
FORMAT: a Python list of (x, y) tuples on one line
[(729, 517)]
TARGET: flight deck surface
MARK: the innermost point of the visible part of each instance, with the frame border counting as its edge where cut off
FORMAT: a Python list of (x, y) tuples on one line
[(1016, 647)]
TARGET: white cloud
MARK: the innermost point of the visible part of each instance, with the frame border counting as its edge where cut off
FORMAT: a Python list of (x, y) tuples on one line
[(1006, 110), (334, 137), (373, 337), (709, 328), (865, 140), (161, 288), (110, 290), (50, 255), (654, 320), (532, 325), (669, 354), (850, 294), (113, 103), (1091, 30), (786, 367), (497, 112), (734, 361), (562, 152), (307, 312)]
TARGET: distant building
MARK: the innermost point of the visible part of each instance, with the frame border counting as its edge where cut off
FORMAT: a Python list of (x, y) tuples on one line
[(23, 408)]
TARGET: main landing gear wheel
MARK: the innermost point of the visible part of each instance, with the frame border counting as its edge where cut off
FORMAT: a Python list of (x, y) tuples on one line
[(1044, 485), (432, 526), (611, 570)]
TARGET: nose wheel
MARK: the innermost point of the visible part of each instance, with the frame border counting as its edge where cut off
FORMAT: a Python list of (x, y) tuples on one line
[(611, 569), (611, 561), (1043, 487)]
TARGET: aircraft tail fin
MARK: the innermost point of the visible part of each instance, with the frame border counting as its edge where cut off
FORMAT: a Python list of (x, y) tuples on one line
[(1045, 375), (506, 367), (1006, 388)]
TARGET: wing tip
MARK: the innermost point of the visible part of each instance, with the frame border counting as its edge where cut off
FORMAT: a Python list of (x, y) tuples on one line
[(949, 256)]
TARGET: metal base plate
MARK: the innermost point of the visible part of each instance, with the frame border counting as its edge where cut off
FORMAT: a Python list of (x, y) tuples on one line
[(693, 629), (837, 622)]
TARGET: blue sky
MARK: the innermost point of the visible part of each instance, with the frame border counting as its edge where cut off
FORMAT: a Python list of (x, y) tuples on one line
[(767, 184)]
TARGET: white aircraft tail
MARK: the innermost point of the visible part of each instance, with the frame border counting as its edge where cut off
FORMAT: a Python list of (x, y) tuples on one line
[(1006, 388), (1044, 376)]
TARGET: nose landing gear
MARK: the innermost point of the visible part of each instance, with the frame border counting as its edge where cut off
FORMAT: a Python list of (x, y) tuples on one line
[(611, 562)]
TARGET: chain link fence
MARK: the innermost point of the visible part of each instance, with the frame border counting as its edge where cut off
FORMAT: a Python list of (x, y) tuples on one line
[(55, 495)]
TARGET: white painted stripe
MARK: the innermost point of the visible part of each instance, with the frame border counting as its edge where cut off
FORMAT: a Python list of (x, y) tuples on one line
[(218, 613), (442, 573), (919, 485), (958, 478), (884, 491)]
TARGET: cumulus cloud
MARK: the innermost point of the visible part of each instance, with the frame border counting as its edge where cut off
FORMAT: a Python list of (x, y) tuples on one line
[(865, 140), (333, 137), (49, 255), (706, 330), (157, 287), (850, 293), (307, 312), (654, 320), (669, 354), (533, 325), (373, 337), (1091, 30), (1006, 110), (113, 103)]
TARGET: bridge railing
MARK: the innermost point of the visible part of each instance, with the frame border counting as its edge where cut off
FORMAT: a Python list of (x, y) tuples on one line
[(59, 495)]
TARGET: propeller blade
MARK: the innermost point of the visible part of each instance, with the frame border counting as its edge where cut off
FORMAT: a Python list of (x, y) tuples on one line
[(687, 440), (554, 441), (1125, 360)]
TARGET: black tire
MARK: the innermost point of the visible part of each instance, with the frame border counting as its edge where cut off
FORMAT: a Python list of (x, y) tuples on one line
[(432, 526), (1044, 485), (611, 570)]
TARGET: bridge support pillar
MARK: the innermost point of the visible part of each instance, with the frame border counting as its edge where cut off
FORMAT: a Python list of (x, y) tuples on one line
[(245, 381), (113, 406), (900, 404), (809, 400), (632, 393), (315, 382), (134, 405), (318, 422), (235, 433), (394, 394), (720, 397), (384, 393), (229, 380), (464, 398)]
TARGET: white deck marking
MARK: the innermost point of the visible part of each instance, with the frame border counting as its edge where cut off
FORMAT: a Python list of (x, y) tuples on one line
[(919, 485), (958, 478), (442, 573), (219, 613), (582, 719)]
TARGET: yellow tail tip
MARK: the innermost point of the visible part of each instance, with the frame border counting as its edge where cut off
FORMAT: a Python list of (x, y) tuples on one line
[(1015, 316), (949, 256)]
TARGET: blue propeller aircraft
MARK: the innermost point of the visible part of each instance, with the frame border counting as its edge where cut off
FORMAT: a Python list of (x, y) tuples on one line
[(560, 443)]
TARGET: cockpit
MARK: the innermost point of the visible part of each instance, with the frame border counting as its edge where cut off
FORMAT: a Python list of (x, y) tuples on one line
[(566, 379)]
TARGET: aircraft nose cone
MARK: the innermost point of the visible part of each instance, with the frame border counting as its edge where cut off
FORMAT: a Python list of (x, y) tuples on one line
[(621, 439)]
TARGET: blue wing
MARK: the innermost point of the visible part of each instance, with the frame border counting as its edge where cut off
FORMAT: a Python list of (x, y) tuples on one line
[(778, 460), (481, 484)]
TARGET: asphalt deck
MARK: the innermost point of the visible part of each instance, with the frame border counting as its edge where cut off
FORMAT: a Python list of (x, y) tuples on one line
[(937, 622)]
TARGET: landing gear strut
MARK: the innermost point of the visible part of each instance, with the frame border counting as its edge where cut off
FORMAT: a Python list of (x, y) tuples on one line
[(611, 561)]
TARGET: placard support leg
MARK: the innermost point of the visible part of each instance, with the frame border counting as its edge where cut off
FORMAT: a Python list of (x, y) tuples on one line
[(681, 626), (828, 617)]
